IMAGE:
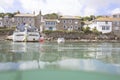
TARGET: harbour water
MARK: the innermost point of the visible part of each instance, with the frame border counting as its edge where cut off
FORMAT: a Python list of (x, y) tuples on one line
[(53, 61)]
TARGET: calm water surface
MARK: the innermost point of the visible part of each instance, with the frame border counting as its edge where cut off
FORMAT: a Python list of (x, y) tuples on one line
[(84, 58)]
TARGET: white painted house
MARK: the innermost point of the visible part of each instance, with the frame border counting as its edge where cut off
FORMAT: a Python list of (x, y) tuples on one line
[(103, 24)]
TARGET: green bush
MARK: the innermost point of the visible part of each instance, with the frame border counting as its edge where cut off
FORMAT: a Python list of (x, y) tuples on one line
[(86, 30), (95, 31)]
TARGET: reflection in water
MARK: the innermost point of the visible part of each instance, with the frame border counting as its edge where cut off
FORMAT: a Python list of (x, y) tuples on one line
[(89, 65), (69, 64), (19, 47), (100, 57)]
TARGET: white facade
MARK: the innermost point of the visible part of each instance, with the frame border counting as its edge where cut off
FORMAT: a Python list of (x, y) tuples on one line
[(104, 27), (91, 25), (101, 25)]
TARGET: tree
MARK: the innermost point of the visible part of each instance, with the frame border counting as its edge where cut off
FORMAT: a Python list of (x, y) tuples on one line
[(10, 15), (86, 18), (2, 15), (98, 16), (82, 23), (94, 30), (86, 30), (51, 16), (92, 17)]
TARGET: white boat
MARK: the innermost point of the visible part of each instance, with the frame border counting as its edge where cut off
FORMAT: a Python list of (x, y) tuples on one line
[(60, 40), (25, 35)]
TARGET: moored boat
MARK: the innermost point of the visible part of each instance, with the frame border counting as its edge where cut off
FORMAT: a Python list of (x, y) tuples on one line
[(26, 33), (60, 40)]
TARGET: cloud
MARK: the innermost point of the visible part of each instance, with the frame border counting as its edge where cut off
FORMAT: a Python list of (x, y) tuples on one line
[(32, 5), (1, 9), (65, 7), (45, 1), (93, 7), (89, 11), (70, 7), (117, 10), (4, 4), (28, 4)]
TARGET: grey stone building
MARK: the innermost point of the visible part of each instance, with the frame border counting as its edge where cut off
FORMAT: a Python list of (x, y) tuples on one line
[(69, 23), (24, 19), (8, 22), (30, 19), (1, 22), (116, 24)]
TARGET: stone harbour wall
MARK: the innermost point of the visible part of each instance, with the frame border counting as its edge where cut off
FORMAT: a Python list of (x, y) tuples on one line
[(79, 36)]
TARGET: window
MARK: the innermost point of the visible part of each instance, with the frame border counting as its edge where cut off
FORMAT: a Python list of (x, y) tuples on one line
[(70, 21), (54, 23), (49, 23), (23, 19), (30, 19), (46, 23), (71, 26), (116, 28), (76, 27), (115, 23), (65, 27), (18, 19), (115, 16), (105, 27), (64, 21), (106, 22), (50, 28), (20, 35), (33, 35)]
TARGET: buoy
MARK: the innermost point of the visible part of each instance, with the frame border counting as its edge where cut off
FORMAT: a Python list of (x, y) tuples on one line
[(41, 39)]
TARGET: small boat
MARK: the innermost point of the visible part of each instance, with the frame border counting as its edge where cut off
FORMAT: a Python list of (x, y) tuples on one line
[(60, 40), (26, 33)]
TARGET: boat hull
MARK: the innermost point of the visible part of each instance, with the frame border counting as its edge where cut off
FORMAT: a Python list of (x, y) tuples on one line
[(23, 37), (61, 40)]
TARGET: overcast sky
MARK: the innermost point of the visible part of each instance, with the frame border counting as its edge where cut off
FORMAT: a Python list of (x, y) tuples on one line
[(63, 7)]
